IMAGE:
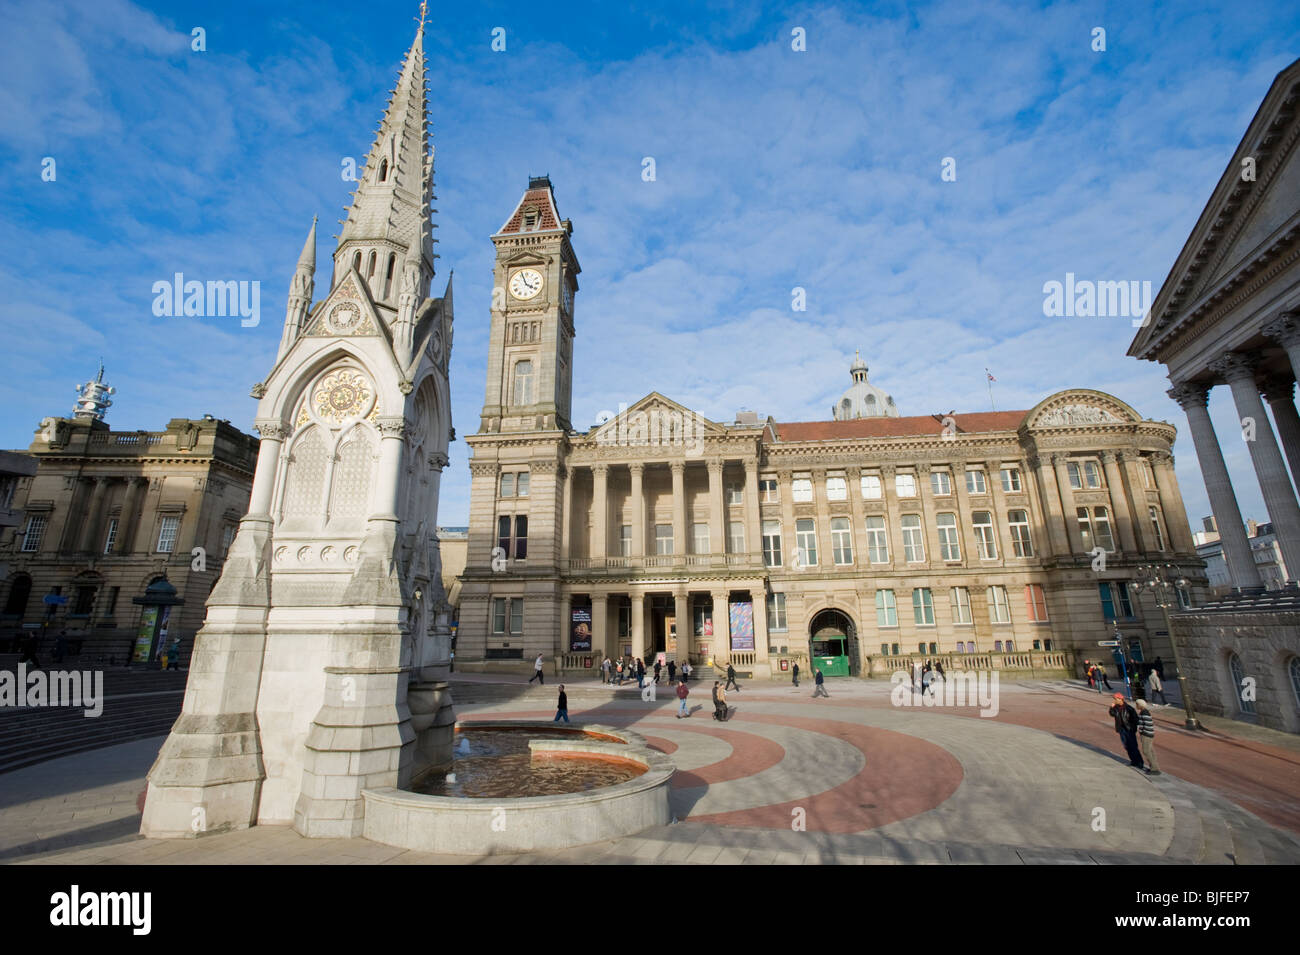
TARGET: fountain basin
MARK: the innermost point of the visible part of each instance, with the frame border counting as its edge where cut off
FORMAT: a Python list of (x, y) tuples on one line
[(467, 825)]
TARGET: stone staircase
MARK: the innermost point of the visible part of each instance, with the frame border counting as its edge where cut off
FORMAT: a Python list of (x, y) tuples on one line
[(137, 704)]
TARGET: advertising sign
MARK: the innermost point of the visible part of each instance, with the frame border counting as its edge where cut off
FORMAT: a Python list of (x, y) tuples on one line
[(742, 625), (144, 636), (580, 631)]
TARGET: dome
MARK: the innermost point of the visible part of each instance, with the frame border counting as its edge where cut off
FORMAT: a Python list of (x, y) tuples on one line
[(863, 399)]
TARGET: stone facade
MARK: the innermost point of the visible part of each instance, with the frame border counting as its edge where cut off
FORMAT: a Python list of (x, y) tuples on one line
[(958, 534), (107, 513)]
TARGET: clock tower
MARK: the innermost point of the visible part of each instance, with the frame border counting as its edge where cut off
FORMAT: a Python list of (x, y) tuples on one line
[(530, 355)]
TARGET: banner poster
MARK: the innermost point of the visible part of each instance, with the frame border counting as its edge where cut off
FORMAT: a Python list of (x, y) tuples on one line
[(742, 625), (144, 636), (580, 634), (160, 648)]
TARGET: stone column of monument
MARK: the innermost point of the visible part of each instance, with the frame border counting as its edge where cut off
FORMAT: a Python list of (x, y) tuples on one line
[(1280, 393), (637, 470), (681, 544), (1119, 503), (1193, 399), (1279, 496)]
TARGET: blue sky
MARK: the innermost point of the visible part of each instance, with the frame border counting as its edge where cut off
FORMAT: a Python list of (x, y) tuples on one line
[(775, 169)]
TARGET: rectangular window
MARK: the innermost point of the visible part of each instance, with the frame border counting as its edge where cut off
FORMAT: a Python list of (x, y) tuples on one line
[(1011, 479), (700, 538), (1076, 480), (507, 485), (913, 547), (735, 494), (516, 616), (801, 489), (841, 540), (167, 534), (35, 531), (772, 543), (960, 604), (521, 536), (1035, 603), (227, 538), (1085, 527), (975, 482), (498, 614), (1184, 598), (1148, 476), (1125, 604), (985, 545), (1092, 474), (1084, 474), (1018, 524), (905, 485), (702, 617), (877, 541), (625, 540), (940, 483), (999, 607), (624, 620), (1107, 601), (776, 612), (503, 535), (1158, 537), (871, 487), (805, 533), (923, 607), (663, 539), (768, 492), (886, 609), (1101, 528), (521, 484), (736, 537), (110, 539), (949, 548), (85, 601), (836, 488)]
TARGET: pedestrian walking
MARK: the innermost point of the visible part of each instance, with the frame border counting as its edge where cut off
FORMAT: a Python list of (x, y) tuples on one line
[(796, 674), (1157, 686), (672, 672), (731, 678), (606, 668), (820, 688), (687, 670), (658, 666), (174, 654), (537, 672), (28, 646), (939, 668), (562, 707), (1159, 666), (619, 671), (717, 705), (1126, 725), (640, 673), (1147, 737), (682, 693), (648, 691), (722, 702), (1101, 674)]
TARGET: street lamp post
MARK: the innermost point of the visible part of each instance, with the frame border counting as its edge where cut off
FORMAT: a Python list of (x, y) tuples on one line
[(1155, 579)]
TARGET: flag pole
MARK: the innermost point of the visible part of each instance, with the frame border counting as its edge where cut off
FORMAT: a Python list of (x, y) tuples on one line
[(989, 380)]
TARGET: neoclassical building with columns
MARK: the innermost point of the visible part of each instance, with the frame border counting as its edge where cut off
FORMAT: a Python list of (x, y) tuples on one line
[(1228, 316), (1006, 539)]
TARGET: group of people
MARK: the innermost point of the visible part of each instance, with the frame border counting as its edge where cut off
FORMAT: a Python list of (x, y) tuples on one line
[(926, 675), (626, 669), (1137, 733), (1149, 679)]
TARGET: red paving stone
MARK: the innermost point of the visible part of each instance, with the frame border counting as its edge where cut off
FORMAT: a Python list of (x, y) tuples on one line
[(903, 776)]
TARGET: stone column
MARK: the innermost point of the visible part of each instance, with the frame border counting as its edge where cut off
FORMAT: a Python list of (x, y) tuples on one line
[(599, 512), (566, 513), (785, 481), (93, 513), (1047, 526), (388, 477), (566, 624), (1171, 503), (599, 624), (1285, 330), (893, 518), (717, 510), (680, 546), (721, 642), (638, 626), (1223, 502), (929, 526), (638, 510), (1279, 497), (1069, 519), (130, 509), (753, 519), (759, 597), (1281, 398), (998, 505), (1119, 503), (1135, 494), (685, 625)]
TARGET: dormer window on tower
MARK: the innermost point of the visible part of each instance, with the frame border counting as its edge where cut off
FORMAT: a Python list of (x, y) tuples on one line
[(530, 220)]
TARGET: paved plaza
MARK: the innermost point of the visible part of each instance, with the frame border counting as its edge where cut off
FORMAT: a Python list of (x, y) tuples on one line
[(791, 779)]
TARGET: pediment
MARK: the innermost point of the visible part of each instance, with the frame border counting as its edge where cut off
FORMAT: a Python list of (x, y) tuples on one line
[(347, 312), (655, 420), (1080, 408), (524, 257)]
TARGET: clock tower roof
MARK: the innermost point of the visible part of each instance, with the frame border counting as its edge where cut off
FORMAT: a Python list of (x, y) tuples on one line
[(536, 211)]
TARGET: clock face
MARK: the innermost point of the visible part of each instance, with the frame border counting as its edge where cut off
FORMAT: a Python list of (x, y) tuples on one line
[(526, 284)]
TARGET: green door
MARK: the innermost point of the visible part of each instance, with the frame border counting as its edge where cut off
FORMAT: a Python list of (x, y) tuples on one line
[(831, 654)]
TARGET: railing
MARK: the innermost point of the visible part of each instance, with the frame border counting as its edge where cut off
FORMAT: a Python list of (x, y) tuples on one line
[(696, 562), (1030, 661), (742, 658)]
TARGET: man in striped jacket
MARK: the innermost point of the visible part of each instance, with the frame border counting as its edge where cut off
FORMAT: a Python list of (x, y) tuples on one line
[(1147, 737)]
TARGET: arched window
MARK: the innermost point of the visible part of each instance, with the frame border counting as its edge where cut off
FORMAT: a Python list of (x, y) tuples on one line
[(388, 279), (1238, 673), (19, 593), (523, 383), (304, 481), (370, 269), (356, 262), (383, 171)]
